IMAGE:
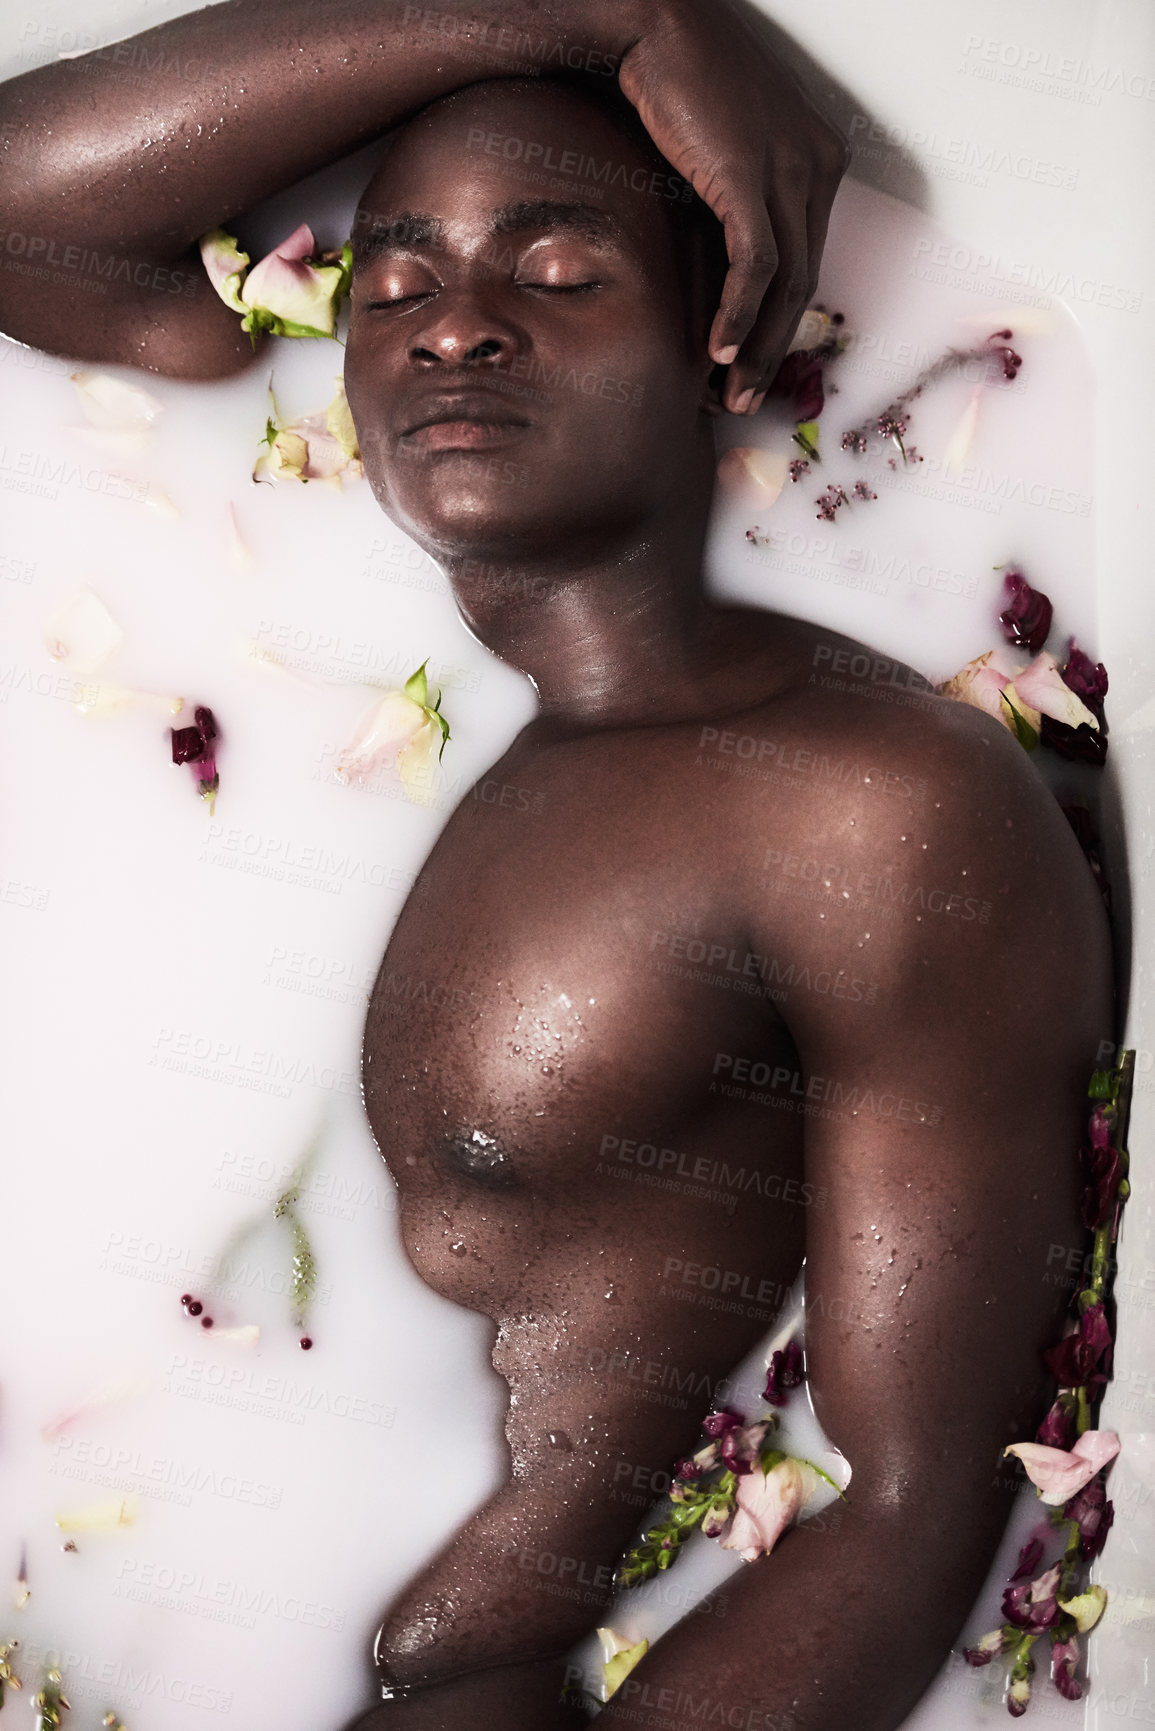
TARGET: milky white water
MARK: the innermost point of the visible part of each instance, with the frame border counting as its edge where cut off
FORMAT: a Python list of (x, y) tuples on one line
[(186, 991)]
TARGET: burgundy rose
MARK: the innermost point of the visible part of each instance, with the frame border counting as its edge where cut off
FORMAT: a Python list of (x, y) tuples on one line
[(1088, 680), (1026, 620), (194, 745), (799, 379)]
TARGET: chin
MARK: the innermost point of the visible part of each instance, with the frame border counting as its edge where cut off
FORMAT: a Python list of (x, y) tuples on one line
[(457, 517)]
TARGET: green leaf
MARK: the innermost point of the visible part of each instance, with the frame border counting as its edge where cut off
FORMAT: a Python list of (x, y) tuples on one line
[(806, 438), (1024, 732), (417, 685)]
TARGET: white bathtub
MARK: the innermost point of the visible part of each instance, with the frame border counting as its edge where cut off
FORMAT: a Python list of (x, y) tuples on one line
[(189, 991)]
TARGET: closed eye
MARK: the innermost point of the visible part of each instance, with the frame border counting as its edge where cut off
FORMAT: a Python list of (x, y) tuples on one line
[(400, 301), (557, 288)]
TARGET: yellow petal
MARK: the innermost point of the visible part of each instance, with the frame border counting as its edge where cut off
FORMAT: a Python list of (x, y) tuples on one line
[(417, 763), (812, 328), (100, 1517), (619, 1667), (340, 422)]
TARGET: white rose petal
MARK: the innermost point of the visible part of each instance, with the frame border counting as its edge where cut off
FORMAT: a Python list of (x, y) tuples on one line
[(82, 633)]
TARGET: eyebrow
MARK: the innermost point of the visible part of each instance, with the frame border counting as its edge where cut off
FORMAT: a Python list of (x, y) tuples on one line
[(415, 228)]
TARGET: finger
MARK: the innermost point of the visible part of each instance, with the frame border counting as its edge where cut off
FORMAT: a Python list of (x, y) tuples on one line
[(753, 254), (777, 318)]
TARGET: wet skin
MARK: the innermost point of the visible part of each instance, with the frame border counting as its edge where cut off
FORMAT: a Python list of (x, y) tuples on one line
[(572, 525)]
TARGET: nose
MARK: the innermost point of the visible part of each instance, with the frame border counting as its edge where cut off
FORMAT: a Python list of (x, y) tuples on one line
[(463, 331)]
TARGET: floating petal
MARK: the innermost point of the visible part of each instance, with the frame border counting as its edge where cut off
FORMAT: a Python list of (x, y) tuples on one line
[(226, 265), (100, 1517), (1059, 1473), (82, 633), (114, 404), (754, 474)]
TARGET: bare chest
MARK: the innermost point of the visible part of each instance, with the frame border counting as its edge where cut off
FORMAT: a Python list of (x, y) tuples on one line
[(541, 1057)]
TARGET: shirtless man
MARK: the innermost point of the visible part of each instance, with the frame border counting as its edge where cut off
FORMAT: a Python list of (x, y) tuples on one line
[(954, 1042)]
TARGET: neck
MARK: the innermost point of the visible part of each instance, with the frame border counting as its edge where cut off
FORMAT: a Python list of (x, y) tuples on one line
[(616, 632)]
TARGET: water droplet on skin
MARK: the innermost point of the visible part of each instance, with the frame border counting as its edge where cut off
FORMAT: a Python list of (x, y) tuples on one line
[(559, 1440), (457, 1249)]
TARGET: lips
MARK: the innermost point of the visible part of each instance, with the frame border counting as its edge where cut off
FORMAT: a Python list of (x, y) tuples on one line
[(460, 420)]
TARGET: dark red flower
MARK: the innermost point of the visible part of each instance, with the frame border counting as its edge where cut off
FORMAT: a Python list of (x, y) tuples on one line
[(1064, 1658), (194, 745), (1028, 1558), (1032, 1605), (1088, 680), (785, 1373), (1057, 1430), (1094, 1514), (1026, 620), (799, 379), (1084, 1357), (1104, 1169), (718, 1423)]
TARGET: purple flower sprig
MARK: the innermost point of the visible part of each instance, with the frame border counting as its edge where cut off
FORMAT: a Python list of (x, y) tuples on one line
[(1051, 1603), (891, 424), (196, 745)]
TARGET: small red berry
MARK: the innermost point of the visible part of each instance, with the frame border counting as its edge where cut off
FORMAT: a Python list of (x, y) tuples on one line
[(195, 1307), (306, 1343)]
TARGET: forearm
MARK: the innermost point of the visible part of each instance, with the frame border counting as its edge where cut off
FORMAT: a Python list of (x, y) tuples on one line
[(227, 105), (530, 1697), (846, 1623)]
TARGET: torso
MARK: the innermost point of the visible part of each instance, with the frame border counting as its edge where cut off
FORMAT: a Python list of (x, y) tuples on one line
[(564, 997), (584, 969)]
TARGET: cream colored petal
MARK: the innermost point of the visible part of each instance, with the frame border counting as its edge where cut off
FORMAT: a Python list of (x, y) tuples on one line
[(96, 699), (383, 731), (417, 763), (340, 421), (105, 1394), (102, 1517), (240, 555), (115, 404), (753, 473), (962, 439), (81, 633), (1043, 687), (812, 329)]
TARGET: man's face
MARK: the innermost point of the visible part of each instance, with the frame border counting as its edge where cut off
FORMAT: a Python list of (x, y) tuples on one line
[(518, 365)]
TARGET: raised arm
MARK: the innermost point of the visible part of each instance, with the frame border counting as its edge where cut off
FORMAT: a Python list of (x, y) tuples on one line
[(950, 1158), (139, 148)]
